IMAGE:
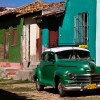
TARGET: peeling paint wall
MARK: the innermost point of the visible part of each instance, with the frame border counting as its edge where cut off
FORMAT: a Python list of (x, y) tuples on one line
[(34, 34), (25, 42), (33, 29), (30, 34)]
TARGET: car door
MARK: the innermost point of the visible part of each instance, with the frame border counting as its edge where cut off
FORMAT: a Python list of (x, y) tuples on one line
[(48, 68)]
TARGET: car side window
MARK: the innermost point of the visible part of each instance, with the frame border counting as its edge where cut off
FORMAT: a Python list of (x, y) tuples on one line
[(45, 57), (51, 57)]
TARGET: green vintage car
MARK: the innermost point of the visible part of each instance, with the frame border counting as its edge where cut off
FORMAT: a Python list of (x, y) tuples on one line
[(67, 69)]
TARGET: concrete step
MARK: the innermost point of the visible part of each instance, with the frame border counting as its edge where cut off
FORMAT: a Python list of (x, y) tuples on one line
[(6, 71), (10, 70), (24, 75)]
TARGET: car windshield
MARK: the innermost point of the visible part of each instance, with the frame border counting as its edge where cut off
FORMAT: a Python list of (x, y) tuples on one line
[(73, 54)]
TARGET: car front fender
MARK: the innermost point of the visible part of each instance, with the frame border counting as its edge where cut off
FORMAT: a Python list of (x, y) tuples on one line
[(37, 73)]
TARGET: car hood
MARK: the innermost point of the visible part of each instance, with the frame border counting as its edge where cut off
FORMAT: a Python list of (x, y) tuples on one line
[(78, 66)]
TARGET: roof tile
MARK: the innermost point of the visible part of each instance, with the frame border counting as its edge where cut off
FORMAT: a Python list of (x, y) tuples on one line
[(36, 6)]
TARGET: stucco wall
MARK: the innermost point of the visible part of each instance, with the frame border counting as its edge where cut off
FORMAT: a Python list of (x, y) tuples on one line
[(14, 51), (74, 7), (33, 32)]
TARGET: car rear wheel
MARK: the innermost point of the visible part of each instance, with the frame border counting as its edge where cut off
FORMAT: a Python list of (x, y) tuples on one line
[(38, 86), (61, 90)]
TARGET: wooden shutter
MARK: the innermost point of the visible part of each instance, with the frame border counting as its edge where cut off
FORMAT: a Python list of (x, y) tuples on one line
[(14, 37), (53, 34), (39, 44)]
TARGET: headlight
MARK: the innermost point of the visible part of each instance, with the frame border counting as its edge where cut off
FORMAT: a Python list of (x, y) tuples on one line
[(71, 76)]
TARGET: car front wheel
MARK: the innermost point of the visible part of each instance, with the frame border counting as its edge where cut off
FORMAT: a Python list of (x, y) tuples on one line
[(61, 90), (38, 86)]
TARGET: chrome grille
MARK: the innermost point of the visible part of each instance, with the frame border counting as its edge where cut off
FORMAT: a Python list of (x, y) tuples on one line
[(88, 78)]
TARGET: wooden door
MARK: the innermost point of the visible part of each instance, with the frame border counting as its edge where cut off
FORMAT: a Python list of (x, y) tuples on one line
[(39, 44), (53, 34)]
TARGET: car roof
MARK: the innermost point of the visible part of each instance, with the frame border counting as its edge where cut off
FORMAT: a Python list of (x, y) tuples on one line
[(58, 49)]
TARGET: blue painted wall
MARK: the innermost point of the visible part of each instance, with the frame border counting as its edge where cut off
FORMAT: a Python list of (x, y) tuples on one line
[(66, 25), (45, 34), (74, 7)]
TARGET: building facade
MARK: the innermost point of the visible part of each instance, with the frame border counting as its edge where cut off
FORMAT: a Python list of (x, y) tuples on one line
[(78, 26), (28, 30)]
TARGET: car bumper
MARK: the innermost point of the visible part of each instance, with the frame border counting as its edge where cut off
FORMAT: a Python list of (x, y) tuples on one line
[(79, 88)]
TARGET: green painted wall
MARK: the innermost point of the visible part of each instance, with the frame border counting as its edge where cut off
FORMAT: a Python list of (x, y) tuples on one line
[(14, 51), (2, 42), (2, 36), (66, 31)]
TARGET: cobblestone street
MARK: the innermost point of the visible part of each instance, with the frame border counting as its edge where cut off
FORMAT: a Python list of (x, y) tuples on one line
[(14, 90)]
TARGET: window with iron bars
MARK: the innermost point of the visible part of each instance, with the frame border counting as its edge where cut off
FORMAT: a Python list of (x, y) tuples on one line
[(81, 28)]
